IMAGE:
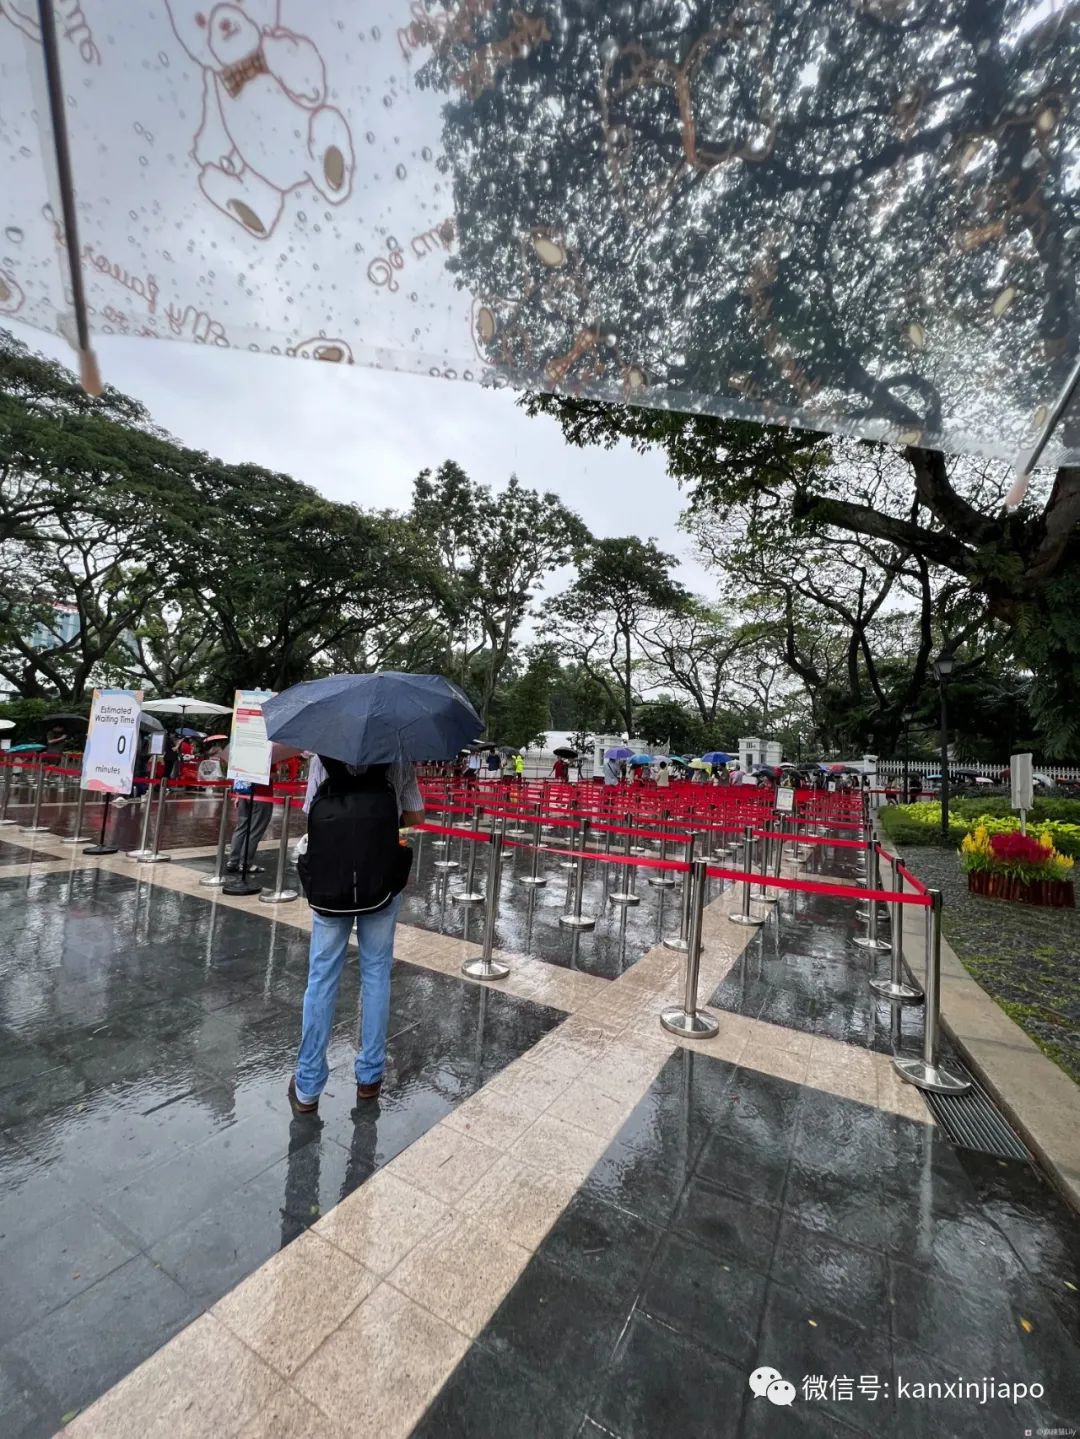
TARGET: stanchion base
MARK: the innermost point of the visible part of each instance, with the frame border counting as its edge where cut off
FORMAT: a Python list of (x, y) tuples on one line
[(537, 881), (865, 914), (9, 821), (485, 969), (865, 942), (662, 881), (445, 864), (214, 881), (568, 864), (701, 1025), (237, 886), (766, 899), (101, 849), (464, 898), (438, 844), (577, 921), (897, 993), (280, 896), (746, 918), (625, 897), (34, 829), (682, 945), (148, 856), (930, 1076), (74, 839), (517, 834)]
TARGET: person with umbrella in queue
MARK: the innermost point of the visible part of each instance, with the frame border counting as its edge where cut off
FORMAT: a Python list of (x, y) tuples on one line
[(366, 732)]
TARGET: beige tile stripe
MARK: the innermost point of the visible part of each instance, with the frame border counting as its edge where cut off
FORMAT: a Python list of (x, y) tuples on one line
[(355, 1327)]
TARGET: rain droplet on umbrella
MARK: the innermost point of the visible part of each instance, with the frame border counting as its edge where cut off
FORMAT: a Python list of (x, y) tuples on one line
[(14, 234)]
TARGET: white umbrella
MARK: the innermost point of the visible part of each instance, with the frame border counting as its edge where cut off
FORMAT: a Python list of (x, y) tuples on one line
[(186, 705), (7, 724)]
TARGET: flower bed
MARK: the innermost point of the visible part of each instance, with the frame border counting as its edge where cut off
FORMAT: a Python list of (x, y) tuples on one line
[(1024, 868)]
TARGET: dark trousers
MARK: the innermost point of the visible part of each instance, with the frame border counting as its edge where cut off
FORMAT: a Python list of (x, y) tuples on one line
[(259, 815)]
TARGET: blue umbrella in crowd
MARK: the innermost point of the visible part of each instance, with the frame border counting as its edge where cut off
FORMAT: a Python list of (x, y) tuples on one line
[(618, 751), (716, 756), (641, 759), (374, 719)]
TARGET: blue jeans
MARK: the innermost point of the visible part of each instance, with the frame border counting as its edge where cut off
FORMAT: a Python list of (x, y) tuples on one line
[(326, 959)]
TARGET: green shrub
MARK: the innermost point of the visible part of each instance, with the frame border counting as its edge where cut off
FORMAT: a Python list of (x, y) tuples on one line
[(920, 823), (28, 716)]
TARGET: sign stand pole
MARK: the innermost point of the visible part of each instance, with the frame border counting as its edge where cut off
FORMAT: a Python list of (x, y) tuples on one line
[(101, 847)]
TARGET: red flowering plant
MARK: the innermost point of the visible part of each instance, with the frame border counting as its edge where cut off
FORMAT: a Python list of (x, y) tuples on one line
[(1022, 856)]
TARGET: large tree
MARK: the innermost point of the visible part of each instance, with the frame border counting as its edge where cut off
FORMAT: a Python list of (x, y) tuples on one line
[(491, 550), (597, 621)]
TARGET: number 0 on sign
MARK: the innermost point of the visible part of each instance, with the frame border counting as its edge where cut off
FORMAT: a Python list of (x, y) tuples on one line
[(112, 741)]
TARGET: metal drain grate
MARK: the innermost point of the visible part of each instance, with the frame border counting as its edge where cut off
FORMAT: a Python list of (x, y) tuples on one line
[(973, 1121)]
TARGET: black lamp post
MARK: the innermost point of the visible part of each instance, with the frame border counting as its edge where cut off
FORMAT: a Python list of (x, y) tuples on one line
[(943, 668), (906, 716)]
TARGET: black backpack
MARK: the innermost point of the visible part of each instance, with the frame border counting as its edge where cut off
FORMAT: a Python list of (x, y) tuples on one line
[(354, 863)]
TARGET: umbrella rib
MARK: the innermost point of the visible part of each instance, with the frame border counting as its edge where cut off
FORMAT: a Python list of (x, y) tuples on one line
[(89, 377)]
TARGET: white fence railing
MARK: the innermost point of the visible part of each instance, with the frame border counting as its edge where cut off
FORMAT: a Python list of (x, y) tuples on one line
[(894, 767)]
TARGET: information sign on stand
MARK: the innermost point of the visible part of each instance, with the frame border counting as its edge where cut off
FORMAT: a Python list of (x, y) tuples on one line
[(249, 749), (785, 801), (112, 741), (1022, 784), (157, 743)]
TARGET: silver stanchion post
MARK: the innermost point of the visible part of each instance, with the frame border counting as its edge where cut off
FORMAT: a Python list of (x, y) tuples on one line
[(628, 895), (155, 856), (148, 801), (927, 1073), (9, 770), (686, 1019), (484, 967), (279, 894), (470, 894), (681, 941), (662, 880), (218, 878), (870, 940), (895, 989), (765, 895), (534, 878), (77, 836), (744, 916), (577, 920), (35, 826), (445, 864)]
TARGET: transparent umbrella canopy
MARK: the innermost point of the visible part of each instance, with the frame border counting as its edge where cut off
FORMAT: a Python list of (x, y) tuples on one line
[(852, 217)]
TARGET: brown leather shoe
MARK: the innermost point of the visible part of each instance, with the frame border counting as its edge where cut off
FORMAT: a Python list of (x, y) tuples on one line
[(368, 1091), (298, 1108)]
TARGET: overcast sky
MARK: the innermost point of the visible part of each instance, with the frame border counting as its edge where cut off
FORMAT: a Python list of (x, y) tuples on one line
[(363, 435)]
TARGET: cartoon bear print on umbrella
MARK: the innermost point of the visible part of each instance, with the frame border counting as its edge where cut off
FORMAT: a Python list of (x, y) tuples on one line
[(266, 128)]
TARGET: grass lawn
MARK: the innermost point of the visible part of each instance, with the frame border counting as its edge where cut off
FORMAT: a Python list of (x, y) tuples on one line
[(1027, 958)]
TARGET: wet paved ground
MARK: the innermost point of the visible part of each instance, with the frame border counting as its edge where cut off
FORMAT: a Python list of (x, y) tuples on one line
[(548, 1227), (147, 1159), (740, 1221), (802, 970), (186, 822)]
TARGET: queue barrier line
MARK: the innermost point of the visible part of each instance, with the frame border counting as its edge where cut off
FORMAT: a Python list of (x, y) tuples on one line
[(737, 876)]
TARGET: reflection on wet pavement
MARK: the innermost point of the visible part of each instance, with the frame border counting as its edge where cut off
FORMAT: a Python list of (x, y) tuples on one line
[(740, 1220), (147, 1158), (801, 970)]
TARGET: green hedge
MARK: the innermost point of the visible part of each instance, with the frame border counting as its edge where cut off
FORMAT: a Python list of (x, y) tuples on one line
[(905, 828)]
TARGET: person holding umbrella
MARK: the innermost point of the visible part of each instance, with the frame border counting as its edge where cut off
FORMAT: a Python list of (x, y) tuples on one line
[(364, 730)]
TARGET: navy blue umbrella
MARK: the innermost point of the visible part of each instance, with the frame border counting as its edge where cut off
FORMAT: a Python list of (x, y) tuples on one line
[(374, 719)]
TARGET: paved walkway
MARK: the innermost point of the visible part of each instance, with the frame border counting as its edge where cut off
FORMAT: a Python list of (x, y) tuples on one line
[(558, 1220)]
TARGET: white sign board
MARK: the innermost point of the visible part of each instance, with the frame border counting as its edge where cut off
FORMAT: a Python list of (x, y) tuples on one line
[(785, 801), (1020, 780), (249, 749), (157, 743), (112, 741)]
